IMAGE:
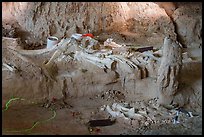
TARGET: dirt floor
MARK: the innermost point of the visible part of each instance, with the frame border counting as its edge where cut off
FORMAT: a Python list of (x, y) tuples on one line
[(73, 121)]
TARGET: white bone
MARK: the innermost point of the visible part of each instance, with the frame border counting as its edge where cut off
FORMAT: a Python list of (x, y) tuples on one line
[(93, 59), (40, 51), (114, 113), (9, 67), (117, 106), (150, 54), (123, 60)]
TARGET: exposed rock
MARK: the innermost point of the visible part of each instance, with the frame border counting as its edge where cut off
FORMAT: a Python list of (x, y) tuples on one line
[(188, 21), (141, 22), (169, 70)]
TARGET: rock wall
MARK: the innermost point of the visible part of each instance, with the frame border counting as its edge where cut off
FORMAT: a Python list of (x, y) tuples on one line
[(144, 23), (188, 21), (138, 22)]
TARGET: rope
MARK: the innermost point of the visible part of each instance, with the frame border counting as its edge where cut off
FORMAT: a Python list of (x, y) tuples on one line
[(7, 104), (34, 124)]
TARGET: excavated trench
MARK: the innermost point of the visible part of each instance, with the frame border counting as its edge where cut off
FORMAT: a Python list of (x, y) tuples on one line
[(94, 73)]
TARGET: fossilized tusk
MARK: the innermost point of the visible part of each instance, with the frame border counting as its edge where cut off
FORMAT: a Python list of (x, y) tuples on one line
[(123, 60), (32, 52), (93, 59), (40, 51)]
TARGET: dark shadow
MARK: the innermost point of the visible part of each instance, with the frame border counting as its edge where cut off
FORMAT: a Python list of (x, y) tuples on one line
[(191, 72), (189, 86)]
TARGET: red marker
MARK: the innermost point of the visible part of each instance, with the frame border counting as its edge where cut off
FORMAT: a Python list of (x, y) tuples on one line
[(54, 99), (88, 34)]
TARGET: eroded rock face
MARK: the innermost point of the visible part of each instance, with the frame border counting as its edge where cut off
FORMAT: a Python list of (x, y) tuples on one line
[(141, 22), (188, 20), (131, 22)]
